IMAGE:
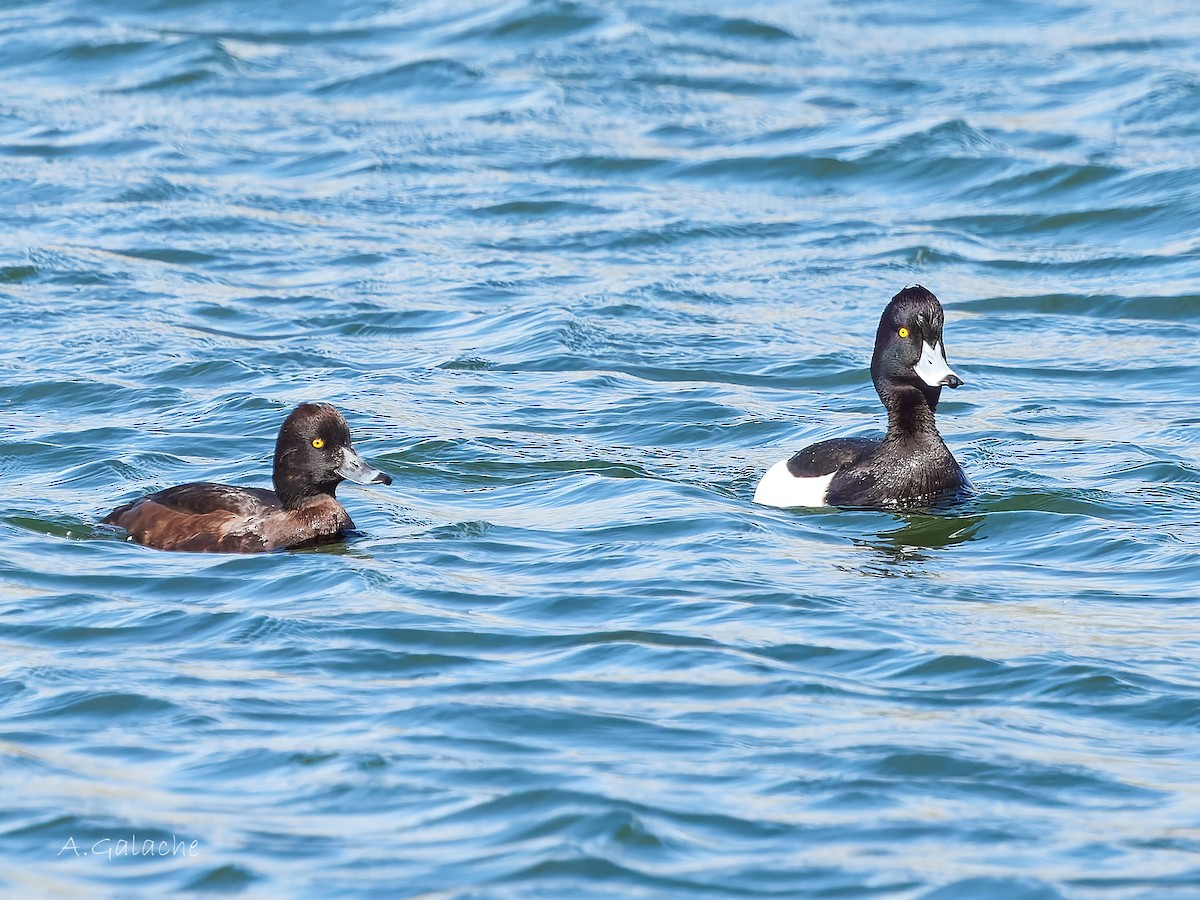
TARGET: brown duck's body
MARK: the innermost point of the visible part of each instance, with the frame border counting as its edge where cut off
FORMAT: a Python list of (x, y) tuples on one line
[(313, 454), (221, 518)]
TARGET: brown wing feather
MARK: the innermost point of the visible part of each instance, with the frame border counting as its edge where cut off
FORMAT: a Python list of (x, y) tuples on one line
[(219, 518), (155, 524), (203, 497)]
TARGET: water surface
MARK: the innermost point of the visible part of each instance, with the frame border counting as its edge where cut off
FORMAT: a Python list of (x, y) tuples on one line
[(577, 273)]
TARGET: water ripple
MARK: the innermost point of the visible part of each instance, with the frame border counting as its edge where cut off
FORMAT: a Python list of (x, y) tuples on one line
[(577, 273)]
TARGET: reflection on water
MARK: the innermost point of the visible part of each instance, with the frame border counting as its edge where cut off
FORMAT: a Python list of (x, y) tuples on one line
[(921, 532)]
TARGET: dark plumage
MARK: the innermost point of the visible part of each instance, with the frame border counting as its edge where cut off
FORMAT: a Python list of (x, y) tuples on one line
[(910, 464), (313, 455)]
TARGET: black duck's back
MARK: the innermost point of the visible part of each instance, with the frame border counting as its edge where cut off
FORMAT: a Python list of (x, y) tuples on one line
[(827, 457), (900, 474)]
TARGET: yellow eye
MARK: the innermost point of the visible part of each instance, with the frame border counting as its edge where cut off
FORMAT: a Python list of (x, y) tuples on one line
[(903, 332), (318, 443)]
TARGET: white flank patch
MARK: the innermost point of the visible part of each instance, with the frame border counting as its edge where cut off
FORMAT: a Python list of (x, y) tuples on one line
[(779, 487)]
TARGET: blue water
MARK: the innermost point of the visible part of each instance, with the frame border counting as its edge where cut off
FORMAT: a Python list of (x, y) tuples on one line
[(577, 273)]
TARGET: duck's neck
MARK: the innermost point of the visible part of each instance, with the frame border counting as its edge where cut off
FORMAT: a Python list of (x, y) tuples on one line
[(910, 412), (295, 490)]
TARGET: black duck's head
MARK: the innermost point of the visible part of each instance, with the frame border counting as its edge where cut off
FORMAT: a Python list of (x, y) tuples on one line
[(313, 455), (909, 350)]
